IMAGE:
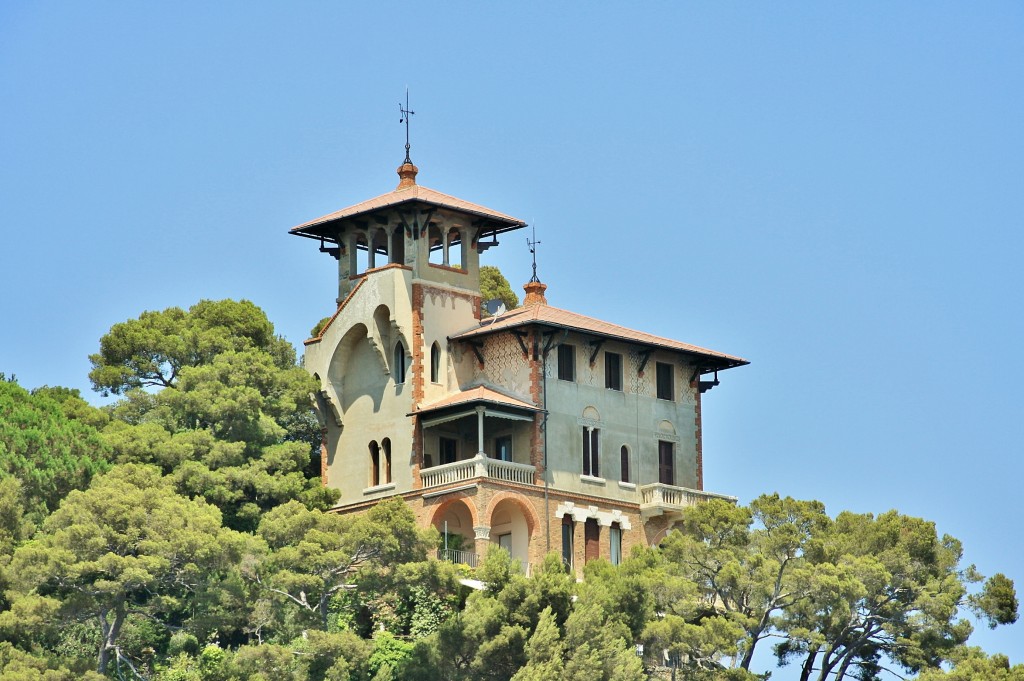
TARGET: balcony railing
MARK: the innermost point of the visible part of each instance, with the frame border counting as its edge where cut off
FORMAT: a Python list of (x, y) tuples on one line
[(660, 498), (458, 557), (480, 466)]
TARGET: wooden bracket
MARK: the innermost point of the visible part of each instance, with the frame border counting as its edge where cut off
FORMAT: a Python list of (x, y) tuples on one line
[(521, 336), (644, 356), (477, 347), (596, 345), (550, 336)]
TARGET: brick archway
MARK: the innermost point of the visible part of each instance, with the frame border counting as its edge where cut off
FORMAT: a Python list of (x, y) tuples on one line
[(532, 521), (446, 505)]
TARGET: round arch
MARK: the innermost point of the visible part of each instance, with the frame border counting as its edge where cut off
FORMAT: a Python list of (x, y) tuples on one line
[(532, 520), (445, 506)]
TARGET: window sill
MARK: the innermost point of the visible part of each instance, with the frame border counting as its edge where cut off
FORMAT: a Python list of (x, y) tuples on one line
[(627, 485), (592, 480), (379, 488)]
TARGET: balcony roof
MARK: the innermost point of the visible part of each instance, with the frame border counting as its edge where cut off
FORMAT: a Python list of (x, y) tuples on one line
[(481, 395)]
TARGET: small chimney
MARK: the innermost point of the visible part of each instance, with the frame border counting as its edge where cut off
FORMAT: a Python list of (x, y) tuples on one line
[(407, 171), (534, 294)]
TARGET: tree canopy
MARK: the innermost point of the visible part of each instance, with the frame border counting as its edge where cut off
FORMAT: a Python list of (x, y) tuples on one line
[(49, 453), (226, 410), (494, 285)]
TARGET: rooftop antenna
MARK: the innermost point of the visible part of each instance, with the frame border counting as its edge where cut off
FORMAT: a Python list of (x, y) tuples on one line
[(532, 243), (405, 119)]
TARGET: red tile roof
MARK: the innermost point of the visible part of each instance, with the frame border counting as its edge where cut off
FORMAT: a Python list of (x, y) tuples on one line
[(417, 193), (478, 394), (545, 315)]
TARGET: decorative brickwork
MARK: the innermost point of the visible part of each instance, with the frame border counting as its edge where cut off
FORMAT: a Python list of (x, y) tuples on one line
[(417, 383), (699, 436)]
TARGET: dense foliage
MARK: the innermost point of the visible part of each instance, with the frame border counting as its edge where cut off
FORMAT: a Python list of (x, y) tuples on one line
[(494, 285), (179, 534)]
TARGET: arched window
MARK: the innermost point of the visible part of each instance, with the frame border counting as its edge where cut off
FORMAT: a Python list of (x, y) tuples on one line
[(398, 367), (374, 464), (591, 451), (435, 363), (386, 446), (624, 463)]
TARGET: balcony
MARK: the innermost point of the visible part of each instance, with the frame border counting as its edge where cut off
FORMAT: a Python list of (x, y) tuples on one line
[(480, 466), (658, 499)]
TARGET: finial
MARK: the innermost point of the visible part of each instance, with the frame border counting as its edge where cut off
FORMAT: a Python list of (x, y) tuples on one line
[(405, 119), (532, 244)]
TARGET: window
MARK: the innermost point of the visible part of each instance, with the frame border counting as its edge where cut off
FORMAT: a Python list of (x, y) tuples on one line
[(399, 364), (613, 371), (435, 363), (666, 391), (591, 451), (374, 464), (567, 362), (567, 531), (385, 444), (615, 544), (666, 463), (624, 464), (449, 451), (505, 541), (591, 540), (503, 448)]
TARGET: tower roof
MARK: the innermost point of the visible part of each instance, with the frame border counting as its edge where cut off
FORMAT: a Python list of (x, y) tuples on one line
[(409, 197)]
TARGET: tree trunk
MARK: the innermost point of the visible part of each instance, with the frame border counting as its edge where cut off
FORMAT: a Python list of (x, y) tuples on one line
[(748, 654), (805, 671), (842, 668), (110, 630), (324, 602)]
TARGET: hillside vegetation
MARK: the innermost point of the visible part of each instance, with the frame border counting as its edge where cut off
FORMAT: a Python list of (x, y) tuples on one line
[(181, 534)]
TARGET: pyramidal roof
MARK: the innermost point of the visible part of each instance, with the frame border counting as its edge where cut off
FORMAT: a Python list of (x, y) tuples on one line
[(407, 192)]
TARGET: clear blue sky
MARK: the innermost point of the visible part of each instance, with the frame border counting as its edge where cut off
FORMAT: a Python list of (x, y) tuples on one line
[(834, 191)]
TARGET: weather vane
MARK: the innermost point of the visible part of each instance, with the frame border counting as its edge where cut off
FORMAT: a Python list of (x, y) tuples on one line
[(405, 119), (532, 243)]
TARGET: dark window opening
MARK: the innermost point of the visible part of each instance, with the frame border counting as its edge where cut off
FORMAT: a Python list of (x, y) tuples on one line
[(591, 451), (591, 540), (567, 362), (666, 463), (374, 464), (624, 463), (449, 450), (435, 363), (386, 446), (567, 531), (399, 364), (666, 389), (503, 448), (613, 371)]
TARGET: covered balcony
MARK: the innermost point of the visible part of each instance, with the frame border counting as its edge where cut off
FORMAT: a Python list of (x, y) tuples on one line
[(477, 434), (661, 499)]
